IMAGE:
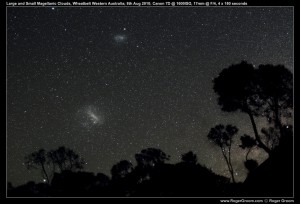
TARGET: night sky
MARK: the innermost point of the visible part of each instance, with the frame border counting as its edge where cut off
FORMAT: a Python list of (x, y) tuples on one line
[(110, 81)]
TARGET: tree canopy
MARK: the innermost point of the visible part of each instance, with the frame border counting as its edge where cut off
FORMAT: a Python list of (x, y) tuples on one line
[(266, 91)]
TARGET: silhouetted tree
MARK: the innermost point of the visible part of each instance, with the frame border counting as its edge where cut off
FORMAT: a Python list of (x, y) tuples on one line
[(62, 159), (37, 160), (151, 157), (51, 161), (147, 160), (237, 89), (247, 143), (222, 136), (263, 92), (121, 169), (276, 89), (189, 157), (65, 159)]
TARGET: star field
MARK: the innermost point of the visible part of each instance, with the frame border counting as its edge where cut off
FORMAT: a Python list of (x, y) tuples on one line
[(108, 81)]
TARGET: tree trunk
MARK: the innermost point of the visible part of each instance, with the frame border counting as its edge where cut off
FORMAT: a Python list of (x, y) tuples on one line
[(229, 165), (229, 159), (260, 143), (278, 123), (45, 173), (232, 174), (248, 153)]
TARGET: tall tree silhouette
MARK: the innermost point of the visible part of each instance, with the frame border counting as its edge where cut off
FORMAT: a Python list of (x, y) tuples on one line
[(276, 89), (222, 136), (237, 90), (263, 92), (37, 160)]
